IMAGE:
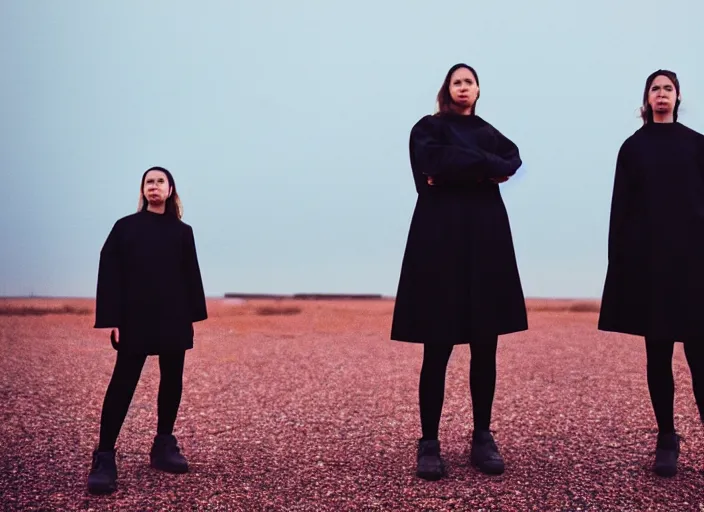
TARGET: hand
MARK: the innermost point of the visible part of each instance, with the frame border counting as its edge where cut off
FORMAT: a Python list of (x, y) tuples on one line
[(115, 334), (430, 181), (499, 180)]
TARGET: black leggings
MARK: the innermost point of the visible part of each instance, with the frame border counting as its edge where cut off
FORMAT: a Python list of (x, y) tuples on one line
[(123, 383), (661, 383), (482, 383)]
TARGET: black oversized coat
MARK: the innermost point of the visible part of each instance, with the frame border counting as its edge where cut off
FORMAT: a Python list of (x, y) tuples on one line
[(459, 279), (149, 284), (654, 282)]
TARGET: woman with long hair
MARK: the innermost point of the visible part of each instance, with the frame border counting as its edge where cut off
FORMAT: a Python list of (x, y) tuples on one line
[(459, 281), (654, 285), (149, 293)]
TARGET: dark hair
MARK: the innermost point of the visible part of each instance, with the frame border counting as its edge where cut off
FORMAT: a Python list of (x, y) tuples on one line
[(444, 100), (173, 202), (646, 111)]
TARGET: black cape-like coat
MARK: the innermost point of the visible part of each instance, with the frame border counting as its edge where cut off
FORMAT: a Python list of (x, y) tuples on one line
[(149, 284), (459, 279), (654, 282)]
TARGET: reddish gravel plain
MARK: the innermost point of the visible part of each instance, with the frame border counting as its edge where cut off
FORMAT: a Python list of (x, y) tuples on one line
[(307, 405)]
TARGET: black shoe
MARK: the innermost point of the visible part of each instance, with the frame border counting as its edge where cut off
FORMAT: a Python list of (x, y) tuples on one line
[(485, 454), (430, 464), (667, 452), (102, 478), (166, 456)]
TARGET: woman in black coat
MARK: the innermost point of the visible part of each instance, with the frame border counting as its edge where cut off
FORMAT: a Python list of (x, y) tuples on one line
[(149, 293), (459, 281), (654, 284)]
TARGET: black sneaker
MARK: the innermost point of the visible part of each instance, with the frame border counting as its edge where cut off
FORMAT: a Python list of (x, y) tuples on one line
[(166, 456), (667, 452), (102, 478), (430, 464), (485, 454)]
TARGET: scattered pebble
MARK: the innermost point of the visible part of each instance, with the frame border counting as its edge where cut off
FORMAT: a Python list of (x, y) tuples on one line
[(318, 411)]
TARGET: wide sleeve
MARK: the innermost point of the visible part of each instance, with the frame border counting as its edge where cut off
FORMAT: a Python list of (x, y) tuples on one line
[(432, 156), (621, 200), (108, 297), (700, 153), (507, 159), (194, 282)]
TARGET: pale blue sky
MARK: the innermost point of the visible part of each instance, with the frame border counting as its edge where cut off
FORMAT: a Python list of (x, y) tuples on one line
[(286, 126)]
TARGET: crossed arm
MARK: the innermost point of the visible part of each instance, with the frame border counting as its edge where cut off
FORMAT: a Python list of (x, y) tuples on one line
[(451, 164)]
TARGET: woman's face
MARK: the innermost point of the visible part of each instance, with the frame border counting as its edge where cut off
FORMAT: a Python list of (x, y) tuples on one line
[(463, 88), (156, 187), (662, 95)]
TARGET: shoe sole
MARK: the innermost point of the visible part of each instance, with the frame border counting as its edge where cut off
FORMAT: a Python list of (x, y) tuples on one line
[(488, 471), (169, 469), (99, 490), (432, 477), (665, 473)]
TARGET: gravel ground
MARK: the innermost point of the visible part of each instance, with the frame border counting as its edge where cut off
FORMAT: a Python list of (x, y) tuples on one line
[(317, 410)]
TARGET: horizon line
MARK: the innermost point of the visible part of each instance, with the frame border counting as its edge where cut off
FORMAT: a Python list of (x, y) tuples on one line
[(292, 296)]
